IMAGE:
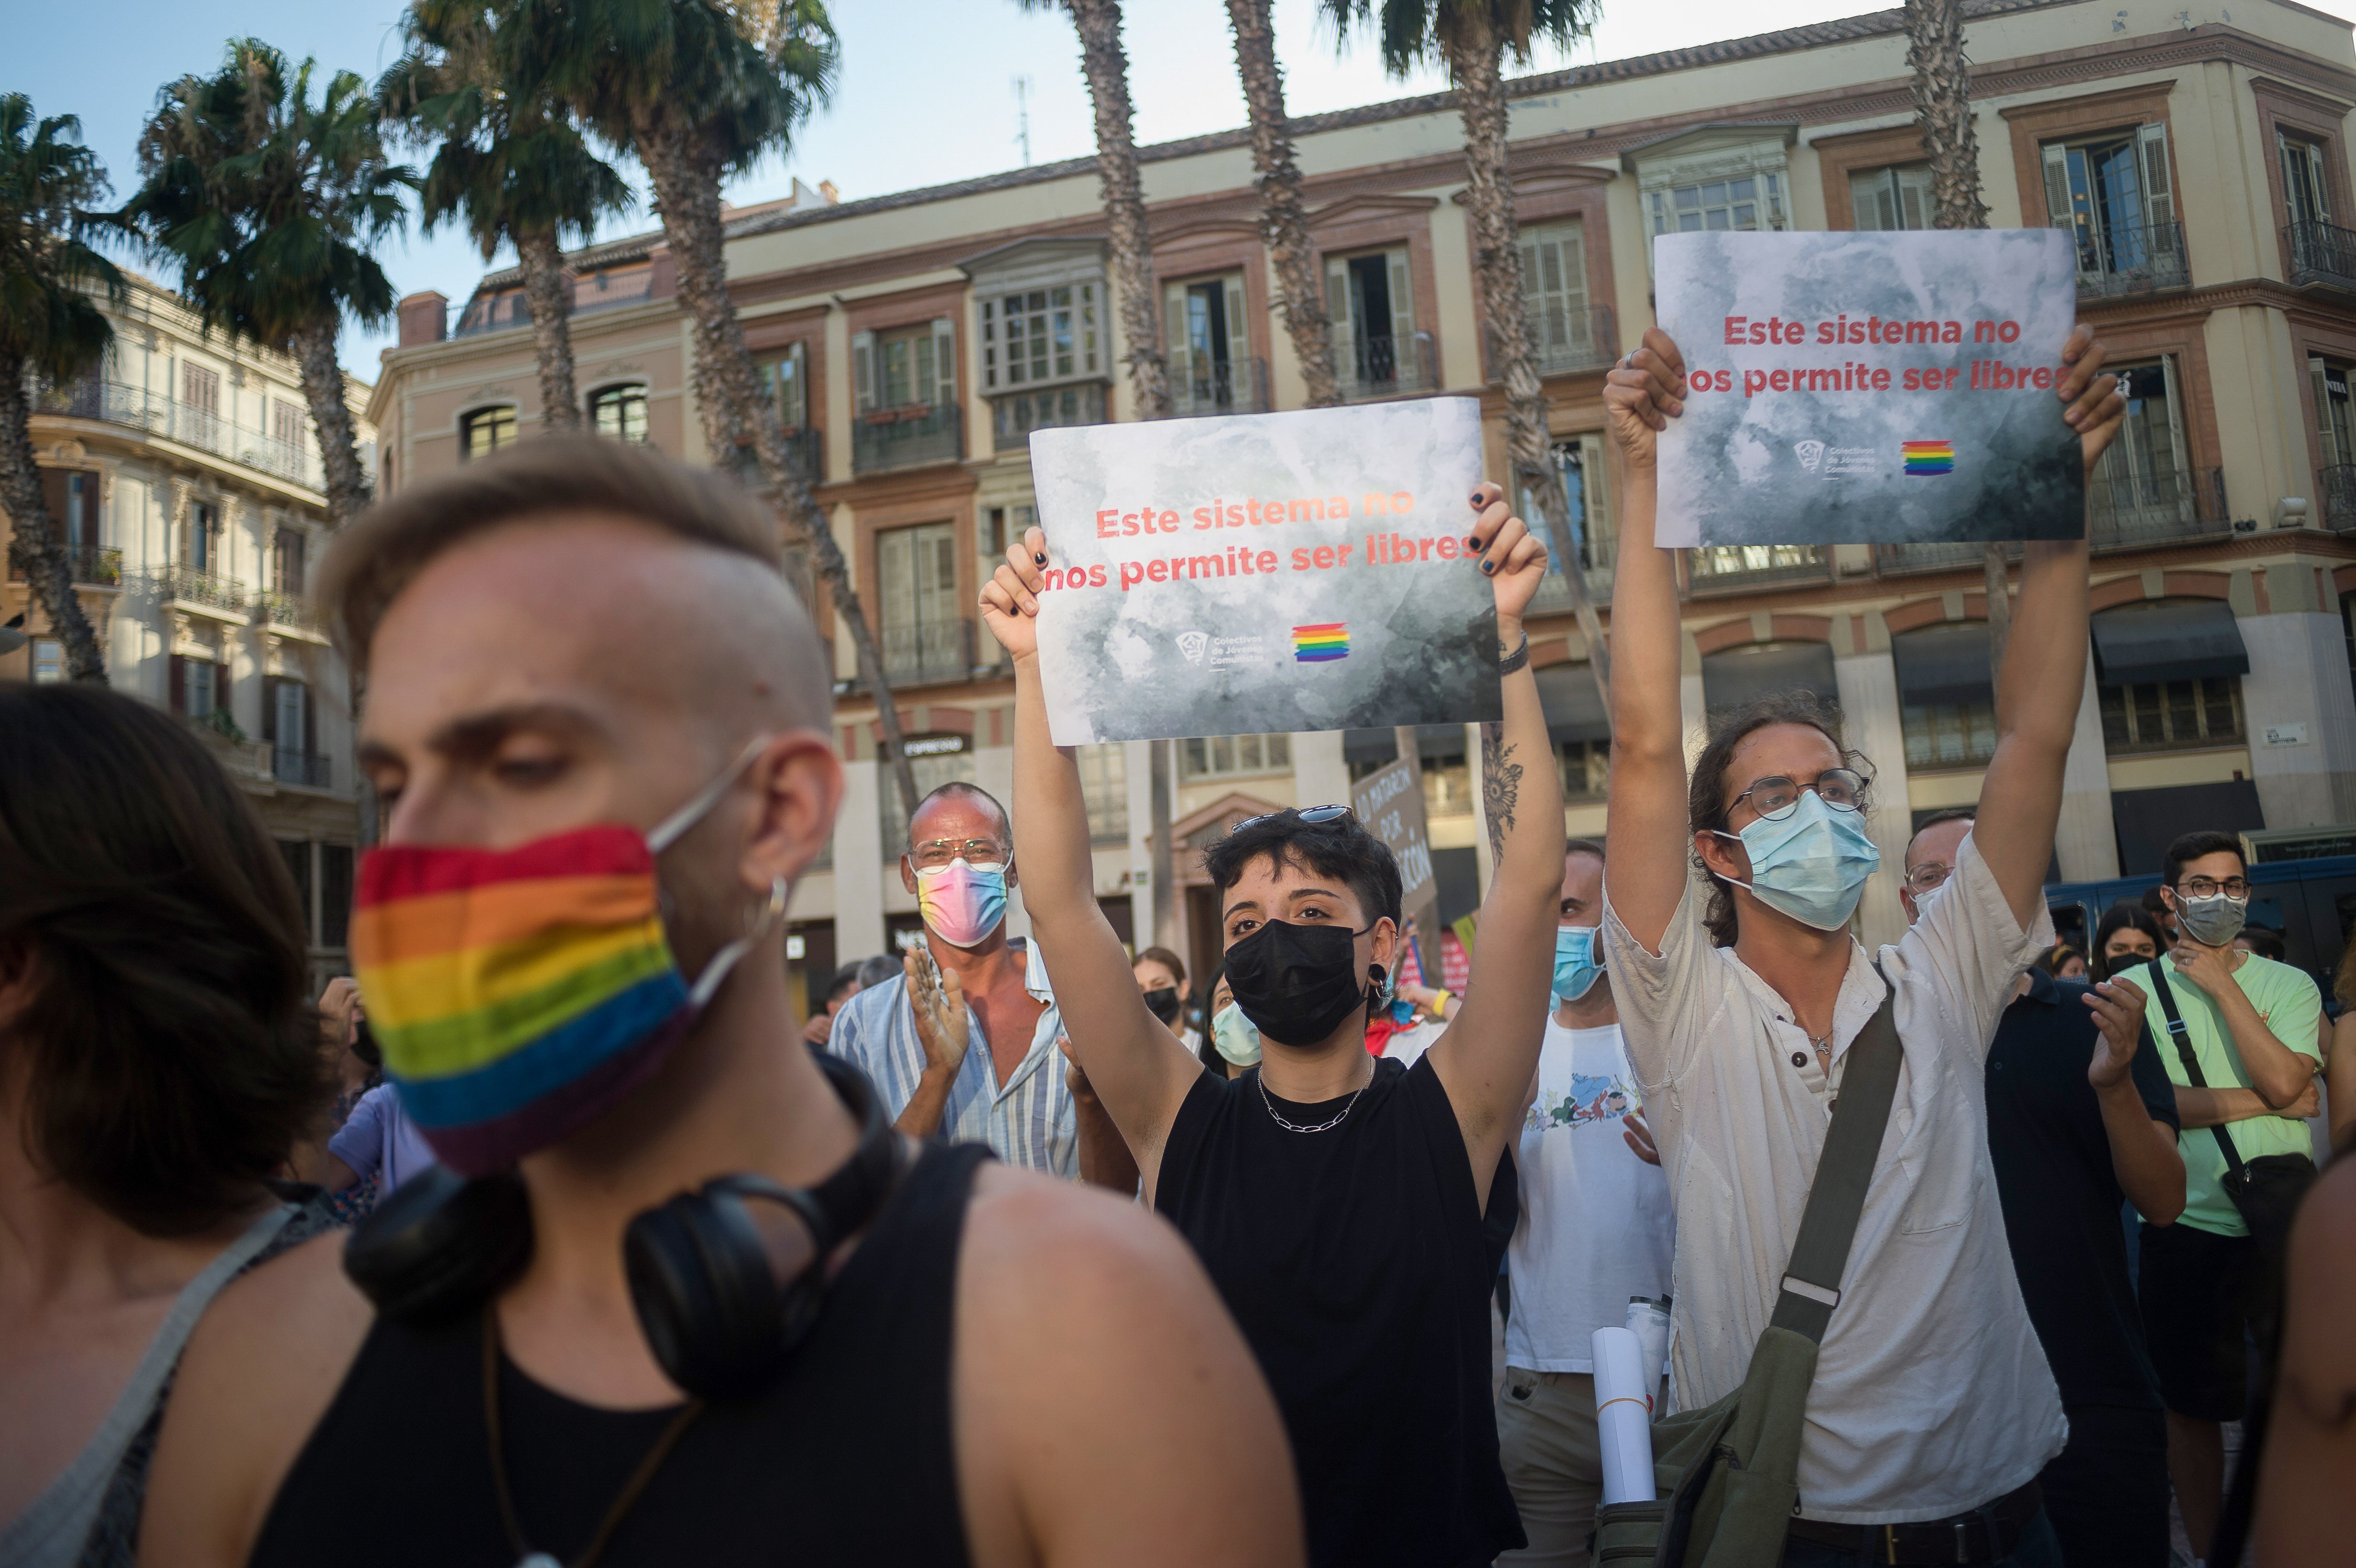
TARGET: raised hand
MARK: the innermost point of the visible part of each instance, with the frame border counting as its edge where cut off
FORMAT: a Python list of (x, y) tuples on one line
[(1643, 393), (2096, 406), (1508, 552), (1010, 600), (938, 998), (2117, 1006)]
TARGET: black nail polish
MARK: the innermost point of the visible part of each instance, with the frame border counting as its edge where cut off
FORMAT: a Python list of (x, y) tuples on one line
[(1472, 541), (1040, 558), (1489, 567), (1476, 497)]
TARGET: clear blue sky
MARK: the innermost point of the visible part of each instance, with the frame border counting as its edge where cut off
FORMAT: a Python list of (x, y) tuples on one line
[(926, 94)]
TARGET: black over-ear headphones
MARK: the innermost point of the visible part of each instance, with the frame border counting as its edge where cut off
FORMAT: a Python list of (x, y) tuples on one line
[(726, 1280)]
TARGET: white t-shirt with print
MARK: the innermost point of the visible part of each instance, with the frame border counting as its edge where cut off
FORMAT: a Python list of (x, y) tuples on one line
[(1596, 1225)]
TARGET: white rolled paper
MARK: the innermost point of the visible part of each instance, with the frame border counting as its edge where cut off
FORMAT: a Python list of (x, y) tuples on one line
[(1623, 1414), (1649, 1321)]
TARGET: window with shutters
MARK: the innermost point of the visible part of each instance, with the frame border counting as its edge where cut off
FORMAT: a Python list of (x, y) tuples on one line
[(2144, 486), (200, 547), (1211, 368), (286, 421), (910, 368), (1748, 201), (485, 431), (2306, 192), (288, 549), (1582, 463), (2335, 438), (924, 634), (1894, 198), (619, 413), (49, 661), (200, 388), (1223, 756), (999, 528), (903, 382), (2115, 194), (785, 382), (1035, 335), (1377, 352), (1104, 787), (199, 686), (1569, 334)]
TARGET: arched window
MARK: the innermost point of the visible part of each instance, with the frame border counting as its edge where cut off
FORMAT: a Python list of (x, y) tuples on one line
[(1947, 697), (620, 414), (485, 431), (1740, 676)]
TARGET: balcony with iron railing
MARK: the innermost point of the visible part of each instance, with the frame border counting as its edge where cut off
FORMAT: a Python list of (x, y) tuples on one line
[(1748, 568), (2335, 495), (92, 566), (1369, 367), (1219, 387), (2317, 253), (187, 585), (1569, 341), (118, 402), (2131, 259), (2131, 512), (1595, 555), (308, 770), (907, 438), (1014, 415), (928, 653), (291, 612)]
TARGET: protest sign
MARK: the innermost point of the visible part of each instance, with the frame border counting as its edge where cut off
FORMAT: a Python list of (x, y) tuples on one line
[(1390, 803), (1887, 387), (1264, 572)]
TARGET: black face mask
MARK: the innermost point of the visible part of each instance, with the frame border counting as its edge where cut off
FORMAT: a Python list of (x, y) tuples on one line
[(1296, 983), (1163, 1003)]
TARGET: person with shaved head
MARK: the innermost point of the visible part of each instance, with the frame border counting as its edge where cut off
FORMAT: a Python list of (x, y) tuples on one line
[(677, 1292)]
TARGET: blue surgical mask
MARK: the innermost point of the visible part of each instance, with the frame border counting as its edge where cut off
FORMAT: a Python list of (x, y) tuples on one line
[(1234, 1036), (1574, 968), (1812, 864)]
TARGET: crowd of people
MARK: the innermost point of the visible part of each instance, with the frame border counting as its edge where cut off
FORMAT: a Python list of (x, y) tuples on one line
[(541, 1239)]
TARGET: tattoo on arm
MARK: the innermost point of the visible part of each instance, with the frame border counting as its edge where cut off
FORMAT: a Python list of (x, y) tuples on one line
[(1501, 787)]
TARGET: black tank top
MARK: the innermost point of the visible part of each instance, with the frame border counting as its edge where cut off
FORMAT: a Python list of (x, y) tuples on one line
[(1355, 1262), (848, 1459)]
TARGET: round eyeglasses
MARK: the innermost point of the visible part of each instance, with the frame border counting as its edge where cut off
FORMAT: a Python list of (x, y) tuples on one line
[(1775, 797), (1928, 878), (935, 853), (2209, 886)]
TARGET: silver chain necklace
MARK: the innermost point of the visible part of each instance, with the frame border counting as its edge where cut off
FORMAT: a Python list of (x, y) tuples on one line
[(1319, 1127)]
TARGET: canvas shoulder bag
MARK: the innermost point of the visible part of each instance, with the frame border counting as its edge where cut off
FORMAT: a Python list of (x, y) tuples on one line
[(1728, 1476), (2266, 1191)]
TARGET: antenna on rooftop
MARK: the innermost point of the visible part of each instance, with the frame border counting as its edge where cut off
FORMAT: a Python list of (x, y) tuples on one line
[(1022, 116)]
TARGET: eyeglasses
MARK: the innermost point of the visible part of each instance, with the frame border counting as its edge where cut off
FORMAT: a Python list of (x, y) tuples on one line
[(1775, 797), (2209, 887), (935, 853), (1311, 815), (1928, 878)]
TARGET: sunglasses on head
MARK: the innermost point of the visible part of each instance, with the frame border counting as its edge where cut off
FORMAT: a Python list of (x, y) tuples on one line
[(1311, 815)]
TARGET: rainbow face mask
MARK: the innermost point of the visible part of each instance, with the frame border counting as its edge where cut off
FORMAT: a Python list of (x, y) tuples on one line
[(963, 904), (519, 994)]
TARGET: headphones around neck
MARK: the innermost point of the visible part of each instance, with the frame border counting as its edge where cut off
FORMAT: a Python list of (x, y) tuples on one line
[(727, 1280)]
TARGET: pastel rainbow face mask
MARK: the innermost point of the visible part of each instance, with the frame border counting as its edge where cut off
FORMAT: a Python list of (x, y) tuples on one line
[(518, 994)]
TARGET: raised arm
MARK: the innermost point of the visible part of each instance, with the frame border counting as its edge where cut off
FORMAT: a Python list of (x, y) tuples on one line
[(1139, 1071), (2045, 662), (1490, 1052), (1651, 839)]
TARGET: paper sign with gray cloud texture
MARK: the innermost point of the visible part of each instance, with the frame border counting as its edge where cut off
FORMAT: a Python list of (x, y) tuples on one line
[(1890, 388), (1264, 572)]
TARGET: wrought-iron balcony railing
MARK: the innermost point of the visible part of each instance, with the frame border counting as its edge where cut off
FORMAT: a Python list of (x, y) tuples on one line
[(2131, 259), (1567, 341), (2314, 252), (187, 585), (907, 438), (1014, 415), (93, 566), (118, 402), (280, 609), (933, 651), (1369, 366), (308, 769), (2335, 494), (1943, 555), (1745, 567), (1218, 387), (2125, 513)]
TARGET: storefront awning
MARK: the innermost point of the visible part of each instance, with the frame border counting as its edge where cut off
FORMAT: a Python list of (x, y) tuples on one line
[(2168, 639), (1574, 709), (1944, 664)]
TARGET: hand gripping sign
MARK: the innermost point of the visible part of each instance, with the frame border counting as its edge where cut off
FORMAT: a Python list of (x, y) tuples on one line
[(1890, 388), (1263, 574)]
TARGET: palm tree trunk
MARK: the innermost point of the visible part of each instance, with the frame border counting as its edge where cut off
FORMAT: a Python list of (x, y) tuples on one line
[(1942, 108), (331, 418), (1473, 60), (1283, 223), (1106, 65), (735, 415), (34, 546), (552, 333)]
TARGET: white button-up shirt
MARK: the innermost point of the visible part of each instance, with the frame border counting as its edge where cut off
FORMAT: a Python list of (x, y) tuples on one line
[(1932, 1395), (1029, 1121)]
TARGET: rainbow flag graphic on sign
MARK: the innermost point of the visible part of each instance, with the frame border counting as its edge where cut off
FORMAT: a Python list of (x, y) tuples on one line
[(1316, 644), (1927, 457)]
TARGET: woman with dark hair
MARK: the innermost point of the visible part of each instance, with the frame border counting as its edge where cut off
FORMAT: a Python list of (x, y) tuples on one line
[(159, 1059), (2127, 936)]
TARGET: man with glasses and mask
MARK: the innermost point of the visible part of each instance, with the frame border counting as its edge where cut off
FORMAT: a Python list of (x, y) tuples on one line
[(2252, 1025), (1931, 1410)]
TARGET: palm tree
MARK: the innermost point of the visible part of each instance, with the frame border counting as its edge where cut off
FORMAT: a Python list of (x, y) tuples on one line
[(1470, 37), (49, 326), (270, 205), (1284, 225), (1106, 65), (510, 166), (699, 90), (1942, 108)]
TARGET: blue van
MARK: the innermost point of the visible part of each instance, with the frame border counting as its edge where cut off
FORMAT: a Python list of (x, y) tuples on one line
[(2311, 903)]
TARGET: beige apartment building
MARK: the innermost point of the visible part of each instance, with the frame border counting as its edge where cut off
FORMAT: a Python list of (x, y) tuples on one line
[(914, 340), (186, 478)]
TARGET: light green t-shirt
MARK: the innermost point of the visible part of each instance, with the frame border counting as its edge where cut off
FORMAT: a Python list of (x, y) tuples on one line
[(2292, 1008)]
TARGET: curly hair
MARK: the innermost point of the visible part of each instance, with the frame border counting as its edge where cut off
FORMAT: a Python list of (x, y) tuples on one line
[(1706, 803), (173, 1055)]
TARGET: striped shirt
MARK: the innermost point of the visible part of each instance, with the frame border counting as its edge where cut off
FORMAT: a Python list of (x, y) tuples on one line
[(1027, 1121)]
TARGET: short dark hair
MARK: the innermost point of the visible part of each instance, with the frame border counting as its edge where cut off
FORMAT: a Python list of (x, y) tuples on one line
[(875, 971), (1582, 847), (174, 1056), (1706, 795), (1341, 849), (2192, 847), (1163, 956), (2266, 941), (960, 787), (2121, 916), (843, 980), (1952, 814)]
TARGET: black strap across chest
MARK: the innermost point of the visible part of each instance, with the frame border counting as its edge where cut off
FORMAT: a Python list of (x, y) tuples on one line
[(1836, 1198)]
